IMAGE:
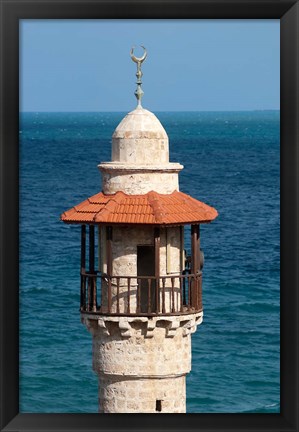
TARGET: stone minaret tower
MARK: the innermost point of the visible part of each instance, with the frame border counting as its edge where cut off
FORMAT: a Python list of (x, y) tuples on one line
[(144, 300)]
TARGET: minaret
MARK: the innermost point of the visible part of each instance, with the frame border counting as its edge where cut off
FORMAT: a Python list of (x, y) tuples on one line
[(144, 300)]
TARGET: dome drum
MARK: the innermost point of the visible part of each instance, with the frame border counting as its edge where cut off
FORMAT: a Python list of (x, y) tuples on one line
[(139, 179), (140, 138)]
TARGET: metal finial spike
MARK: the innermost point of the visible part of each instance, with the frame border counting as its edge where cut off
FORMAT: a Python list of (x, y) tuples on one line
[(138, 60)]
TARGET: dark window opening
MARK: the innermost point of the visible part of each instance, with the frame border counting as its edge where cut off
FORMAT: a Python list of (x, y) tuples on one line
[(146, 267), (158, 405)]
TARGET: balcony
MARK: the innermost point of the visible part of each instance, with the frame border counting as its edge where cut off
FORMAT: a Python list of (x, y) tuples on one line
[(141, 296)]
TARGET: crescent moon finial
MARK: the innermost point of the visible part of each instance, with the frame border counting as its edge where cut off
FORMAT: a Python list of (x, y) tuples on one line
[(138, 60)]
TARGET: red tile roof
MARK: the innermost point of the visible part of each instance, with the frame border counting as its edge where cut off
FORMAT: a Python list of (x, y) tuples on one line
[(152, 208)]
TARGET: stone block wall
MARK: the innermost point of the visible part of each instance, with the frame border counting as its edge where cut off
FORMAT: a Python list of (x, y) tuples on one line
[(138, 179), (148, 395), (142, 362)]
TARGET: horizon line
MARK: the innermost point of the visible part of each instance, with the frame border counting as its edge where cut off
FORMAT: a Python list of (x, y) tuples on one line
[(160, 111)]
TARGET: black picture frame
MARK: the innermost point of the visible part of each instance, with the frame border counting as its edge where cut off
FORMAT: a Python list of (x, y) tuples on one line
[(11, 12)]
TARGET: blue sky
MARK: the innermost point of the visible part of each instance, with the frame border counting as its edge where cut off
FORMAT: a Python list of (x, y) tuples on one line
[(192, 65)]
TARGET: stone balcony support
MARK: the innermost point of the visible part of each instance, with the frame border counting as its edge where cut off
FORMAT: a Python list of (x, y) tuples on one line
[(142, 362)]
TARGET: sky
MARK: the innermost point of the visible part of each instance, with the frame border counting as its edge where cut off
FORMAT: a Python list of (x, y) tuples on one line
[(192, 65)]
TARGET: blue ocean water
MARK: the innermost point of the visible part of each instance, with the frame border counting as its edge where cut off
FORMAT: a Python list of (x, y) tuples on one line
[(232, 162)]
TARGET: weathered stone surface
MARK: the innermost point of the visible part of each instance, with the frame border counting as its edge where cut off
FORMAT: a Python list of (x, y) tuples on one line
[(123, 395), (136, 179), (140, 138), (136, 371)]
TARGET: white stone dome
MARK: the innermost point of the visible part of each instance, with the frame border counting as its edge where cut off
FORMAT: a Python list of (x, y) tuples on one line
[(140, 139)]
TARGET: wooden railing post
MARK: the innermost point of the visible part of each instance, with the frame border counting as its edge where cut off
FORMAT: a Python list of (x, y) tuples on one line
[(117, 295), (138, 295), (181, 293), (189, 291), (149, 304), (129, 294), (163, 295), (172, 295), (109, 263), (194, 262), (83, 268), (184, 289), (157, 267), (91, 248), (92, 295)]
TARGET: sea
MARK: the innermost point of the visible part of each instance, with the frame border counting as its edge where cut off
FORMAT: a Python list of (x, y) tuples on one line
[(231, 162)]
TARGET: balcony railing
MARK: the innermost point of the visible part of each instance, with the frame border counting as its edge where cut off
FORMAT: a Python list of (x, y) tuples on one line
[(142, 295)]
